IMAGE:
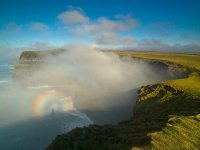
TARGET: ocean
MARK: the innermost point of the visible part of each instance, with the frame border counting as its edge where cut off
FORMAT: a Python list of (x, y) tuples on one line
[(18, 129), (6, 73)]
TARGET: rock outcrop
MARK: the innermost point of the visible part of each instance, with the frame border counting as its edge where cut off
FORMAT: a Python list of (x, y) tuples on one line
[(32, 60)]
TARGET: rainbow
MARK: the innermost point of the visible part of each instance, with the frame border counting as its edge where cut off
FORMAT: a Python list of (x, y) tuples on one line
[(46, 101)]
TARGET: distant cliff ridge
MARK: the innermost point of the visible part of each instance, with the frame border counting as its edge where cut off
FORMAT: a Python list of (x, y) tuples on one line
[(29, 61), (28, 57)]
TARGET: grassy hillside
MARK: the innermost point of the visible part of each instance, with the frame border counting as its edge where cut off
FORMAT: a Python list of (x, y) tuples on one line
[(166, 116), (180, 131), (179, 103), (189, 60)]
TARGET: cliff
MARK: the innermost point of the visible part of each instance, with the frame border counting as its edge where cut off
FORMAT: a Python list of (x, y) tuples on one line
[(166, 116), (29, 61)]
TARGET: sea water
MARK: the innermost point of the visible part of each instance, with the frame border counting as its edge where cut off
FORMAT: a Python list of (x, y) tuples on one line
[(6, 71), (32, 133)]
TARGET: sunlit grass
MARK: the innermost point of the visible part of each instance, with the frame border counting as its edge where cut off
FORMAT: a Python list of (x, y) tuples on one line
[(180, 133), (190, 85), (189, 60), (171, 111)]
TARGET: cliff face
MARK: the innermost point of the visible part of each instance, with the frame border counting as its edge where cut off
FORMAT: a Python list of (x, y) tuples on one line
[(168, 69), (31, 57), (32, 60), (163, 114)]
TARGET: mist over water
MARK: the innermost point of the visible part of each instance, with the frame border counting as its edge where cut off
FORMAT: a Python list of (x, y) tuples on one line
[(78, 87), (90, 75)]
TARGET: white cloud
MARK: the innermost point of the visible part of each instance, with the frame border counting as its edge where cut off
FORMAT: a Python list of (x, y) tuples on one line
[(38, 26), (102, 30), (12, 28), (112, 38), (106, 25), (8, 53), (157, 45), (128, 20), (40, 46), (73, 16)]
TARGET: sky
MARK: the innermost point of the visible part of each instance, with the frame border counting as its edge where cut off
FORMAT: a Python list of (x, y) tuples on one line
[(168, 25)]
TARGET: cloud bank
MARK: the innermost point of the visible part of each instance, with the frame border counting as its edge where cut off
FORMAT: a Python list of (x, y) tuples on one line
[(86, 75)]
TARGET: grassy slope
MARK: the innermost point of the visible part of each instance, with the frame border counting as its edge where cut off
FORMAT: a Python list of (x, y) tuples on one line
[(182, 132), (182, 129), (167, 116), (189, 60)]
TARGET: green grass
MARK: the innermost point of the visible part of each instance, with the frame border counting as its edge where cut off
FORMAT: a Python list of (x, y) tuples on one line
[(191, 85), (188, 60), (180, 133), (166, 117), (175, 113)]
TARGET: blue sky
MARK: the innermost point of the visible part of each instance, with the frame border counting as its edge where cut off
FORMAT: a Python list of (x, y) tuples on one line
[(139, 24)]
